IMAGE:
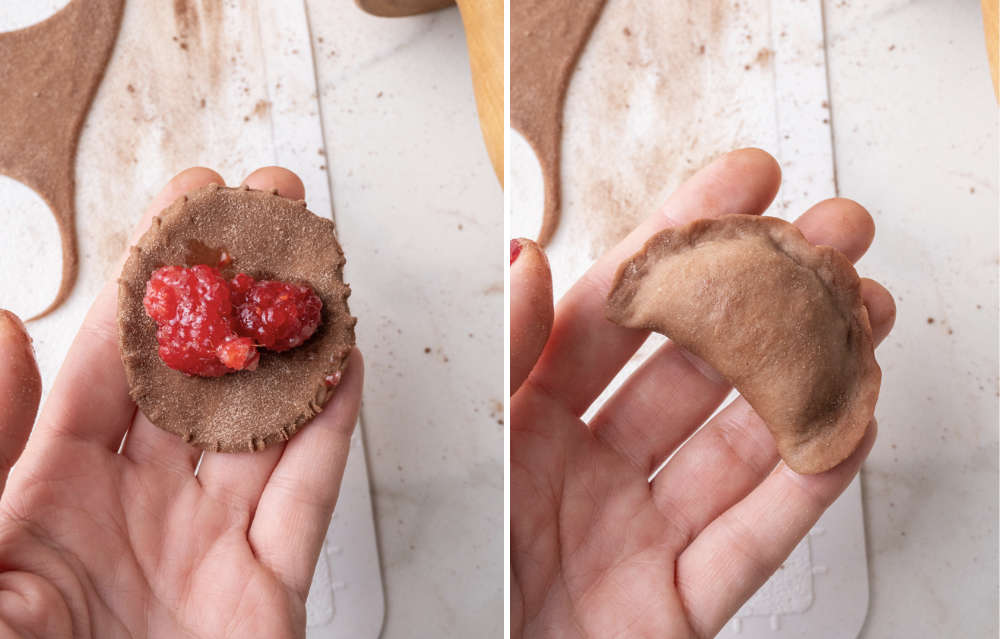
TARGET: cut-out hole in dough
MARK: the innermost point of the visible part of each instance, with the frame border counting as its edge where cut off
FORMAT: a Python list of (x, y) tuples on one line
[(527, 193), (16, 15), (30, 251)]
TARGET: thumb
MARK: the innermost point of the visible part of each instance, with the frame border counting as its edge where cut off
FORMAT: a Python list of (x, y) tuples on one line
[(20, 390), (531, 310)]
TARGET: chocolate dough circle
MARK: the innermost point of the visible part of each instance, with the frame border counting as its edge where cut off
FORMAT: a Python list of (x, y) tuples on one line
[(268, 237)]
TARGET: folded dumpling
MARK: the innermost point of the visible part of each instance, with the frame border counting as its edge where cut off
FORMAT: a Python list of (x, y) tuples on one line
[(781, 319)]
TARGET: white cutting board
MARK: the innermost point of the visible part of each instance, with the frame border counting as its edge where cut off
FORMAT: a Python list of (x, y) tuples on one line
[(346, 598), (696, 81), (143, 129)]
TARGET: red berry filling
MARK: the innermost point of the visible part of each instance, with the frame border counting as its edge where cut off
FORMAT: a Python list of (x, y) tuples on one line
[(207, 326), (238, 353), (277, 315)]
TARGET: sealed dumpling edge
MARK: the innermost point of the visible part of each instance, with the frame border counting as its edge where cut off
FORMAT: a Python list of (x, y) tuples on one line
[(782, 320)]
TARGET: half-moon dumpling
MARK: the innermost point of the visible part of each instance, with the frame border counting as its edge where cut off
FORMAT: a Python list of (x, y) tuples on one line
[(779, 318)]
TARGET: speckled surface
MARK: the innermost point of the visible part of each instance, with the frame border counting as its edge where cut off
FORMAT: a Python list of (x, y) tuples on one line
[(915, 135), (914, 126), (415, 192), (266, 236), (418, 214)]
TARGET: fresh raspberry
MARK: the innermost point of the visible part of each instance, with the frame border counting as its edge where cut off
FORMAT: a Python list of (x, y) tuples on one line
[(207, 326), (194, 316), (240, 286), (277, 315), (238, 353)]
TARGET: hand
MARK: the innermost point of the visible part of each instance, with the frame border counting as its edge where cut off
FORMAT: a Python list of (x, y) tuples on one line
[(97, 543), (596, 549)]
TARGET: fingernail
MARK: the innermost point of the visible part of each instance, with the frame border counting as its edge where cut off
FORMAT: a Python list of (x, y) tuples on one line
[(515, 249)]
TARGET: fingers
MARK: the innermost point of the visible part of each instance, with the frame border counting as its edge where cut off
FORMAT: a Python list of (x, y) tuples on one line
[(743, 181), (841, 223), (531, 309), (147, 444), (238, 479), (737, 552), (89, 399), (881, 308), (673, 393), (659, 406), (184, 182), (276, 178), (735, 451), (295, 508), (20, 390)]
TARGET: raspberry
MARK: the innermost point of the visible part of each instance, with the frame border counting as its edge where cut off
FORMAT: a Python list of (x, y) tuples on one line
[(238, 353), (240, 286), (194, 317), (278, 315), (207, 326)]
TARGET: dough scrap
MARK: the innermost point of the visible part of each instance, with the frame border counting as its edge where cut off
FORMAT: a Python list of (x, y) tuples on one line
[(546, 39), (782, 320), (49, 74), (401, 8)]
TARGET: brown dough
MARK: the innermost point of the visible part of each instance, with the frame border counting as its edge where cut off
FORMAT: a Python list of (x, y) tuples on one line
[(400, 8), (546, 39), (49, 73), (781, 319), (268, 237)]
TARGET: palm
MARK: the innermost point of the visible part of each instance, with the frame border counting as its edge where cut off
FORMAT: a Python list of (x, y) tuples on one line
[(104, 539), (597, 550), (164, 557), (594, 551)]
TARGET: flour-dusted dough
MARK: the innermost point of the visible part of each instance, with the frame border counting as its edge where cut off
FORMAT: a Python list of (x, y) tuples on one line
[(781, 319), (546, 38), (49, 73), (401, 8), (267, 237)]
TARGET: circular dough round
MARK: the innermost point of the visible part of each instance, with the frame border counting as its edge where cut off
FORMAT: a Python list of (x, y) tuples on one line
[(268, 237)]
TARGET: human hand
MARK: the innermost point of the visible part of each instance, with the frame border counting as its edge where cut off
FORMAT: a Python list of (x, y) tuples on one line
[(94, 543), (596, 549)]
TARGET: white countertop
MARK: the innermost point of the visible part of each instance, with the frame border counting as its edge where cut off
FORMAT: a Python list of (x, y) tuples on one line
[(419, 204), (915, 134)]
